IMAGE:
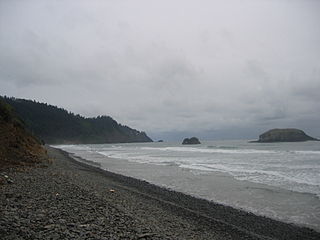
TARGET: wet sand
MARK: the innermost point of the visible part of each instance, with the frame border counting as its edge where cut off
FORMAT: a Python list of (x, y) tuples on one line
[(73, 200)]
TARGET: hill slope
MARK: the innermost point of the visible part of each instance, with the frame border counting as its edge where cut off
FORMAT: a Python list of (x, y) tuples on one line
[(56, 125), (17, 146)]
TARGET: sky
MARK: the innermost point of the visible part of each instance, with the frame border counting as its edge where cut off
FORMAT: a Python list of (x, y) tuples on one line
[(216, 69)]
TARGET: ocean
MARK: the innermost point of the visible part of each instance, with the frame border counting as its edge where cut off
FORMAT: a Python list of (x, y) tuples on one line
[(277, 180)]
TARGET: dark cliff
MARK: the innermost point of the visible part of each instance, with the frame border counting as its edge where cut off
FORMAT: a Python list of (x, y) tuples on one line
[(57, 126), (285, 135)]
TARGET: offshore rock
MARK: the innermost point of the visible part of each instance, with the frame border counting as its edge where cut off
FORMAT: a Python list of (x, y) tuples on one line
[(192, 140), (285, 135)]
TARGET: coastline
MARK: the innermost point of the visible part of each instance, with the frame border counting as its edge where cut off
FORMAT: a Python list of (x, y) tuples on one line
[(275, 202), (222, 188), (142, 210)]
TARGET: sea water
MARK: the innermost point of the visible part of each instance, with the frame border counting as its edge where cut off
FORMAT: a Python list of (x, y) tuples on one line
[(278, 180)]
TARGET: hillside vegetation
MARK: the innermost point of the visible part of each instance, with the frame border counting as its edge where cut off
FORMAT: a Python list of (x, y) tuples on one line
[(17, 145), (57, 126)]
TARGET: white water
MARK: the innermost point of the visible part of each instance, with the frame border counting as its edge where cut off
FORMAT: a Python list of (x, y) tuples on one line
[(289, 166)]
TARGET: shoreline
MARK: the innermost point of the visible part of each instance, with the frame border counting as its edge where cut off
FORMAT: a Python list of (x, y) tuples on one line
[(166, 214), (202, 203), (222, 188)]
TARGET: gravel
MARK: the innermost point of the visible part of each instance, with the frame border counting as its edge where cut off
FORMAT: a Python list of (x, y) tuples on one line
[(67, 199)]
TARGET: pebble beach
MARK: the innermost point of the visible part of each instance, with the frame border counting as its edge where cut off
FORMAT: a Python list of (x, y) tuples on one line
[(67, 199)]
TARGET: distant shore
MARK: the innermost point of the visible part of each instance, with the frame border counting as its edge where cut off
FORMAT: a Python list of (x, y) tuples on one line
[(73, 200)]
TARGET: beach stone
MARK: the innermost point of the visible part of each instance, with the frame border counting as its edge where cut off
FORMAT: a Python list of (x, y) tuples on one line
[(138, 210)]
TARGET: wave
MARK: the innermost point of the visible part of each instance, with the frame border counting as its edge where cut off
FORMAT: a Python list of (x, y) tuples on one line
[(246, 174), (222, 147), (295, 182), (158, 160), (290, 169), (211, 150), (227, 150), (73, 147), (307, 152)]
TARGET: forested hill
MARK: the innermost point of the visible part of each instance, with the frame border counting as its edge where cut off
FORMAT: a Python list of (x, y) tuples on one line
[(56, 125)]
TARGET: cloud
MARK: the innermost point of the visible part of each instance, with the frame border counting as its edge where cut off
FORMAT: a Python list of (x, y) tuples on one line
[(168, 66)]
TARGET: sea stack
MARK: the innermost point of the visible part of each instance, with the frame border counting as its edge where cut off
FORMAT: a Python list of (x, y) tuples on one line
[(192, 140), (285, 135)]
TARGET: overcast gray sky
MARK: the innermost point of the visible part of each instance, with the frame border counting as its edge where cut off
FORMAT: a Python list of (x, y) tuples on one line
[(219, 69)]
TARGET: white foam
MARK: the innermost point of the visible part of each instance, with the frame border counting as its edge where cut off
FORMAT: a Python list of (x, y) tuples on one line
[(211, 150), (297, 170), (73, 147), (306, 152)]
